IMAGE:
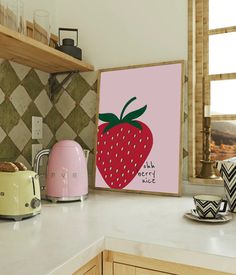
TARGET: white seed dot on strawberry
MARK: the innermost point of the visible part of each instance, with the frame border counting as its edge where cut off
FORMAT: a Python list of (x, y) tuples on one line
[(116, 155), (147, 138), (103, 163), (107, 132), (112, 138), (128, 131), (104, 142), (101, 152), (128, 171), (108, 153), (117, 170), (99, 158), (132, 172), (117, 144), (122, 175), (117, 134), (135, 164), (110, 168), (134, 146), (140, 140), (112, 183), (121, 160), (131, 160), (98, 142), (145, 146), (105, 176), (123, 137), (119, 185), (128, 152), (124, 166), (122, 148), (125, 181), (110, 160), (105, 169), (117, 179), (112, 147), (141, 156), (110, 175), (129, 142), (139, 131), (121, 129)]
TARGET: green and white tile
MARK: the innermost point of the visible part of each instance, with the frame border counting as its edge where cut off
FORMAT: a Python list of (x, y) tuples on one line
[(47, 135), (2, 134), (43, 103), (9, 116), (20, 70), (20, 135), (88, 103), (65, 132), (90, 77), (88, 135), (65, 104), (20, 99), (32, 84), (2, 96), (8, 78)]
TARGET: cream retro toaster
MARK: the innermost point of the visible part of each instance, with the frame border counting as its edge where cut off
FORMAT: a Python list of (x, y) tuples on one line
[(19, 195)]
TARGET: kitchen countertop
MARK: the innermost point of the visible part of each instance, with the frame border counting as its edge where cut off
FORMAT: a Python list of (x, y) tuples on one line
[(65, 236)]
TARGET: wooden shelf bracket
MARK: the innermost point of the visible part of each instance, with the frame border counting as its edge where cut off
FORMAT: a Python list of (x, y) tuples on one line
[(55, 86)]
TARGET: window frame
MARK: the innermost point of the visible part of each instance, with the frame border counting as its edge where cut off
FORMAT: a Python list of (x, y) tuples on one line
[(199, 82)]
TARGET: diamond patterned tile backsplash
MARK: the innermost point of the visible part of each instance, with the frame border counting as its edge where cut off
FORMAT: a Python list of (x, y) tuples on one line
[(24, 93)]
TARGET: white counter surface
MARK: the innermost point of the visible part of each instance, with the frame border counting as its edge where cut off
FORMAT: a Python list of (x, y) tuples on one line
[(67, 235)]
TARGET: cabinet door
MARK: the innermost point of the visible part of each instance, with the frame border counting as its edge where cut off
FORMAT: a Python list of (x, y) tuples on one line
[(93, 267), (122, 269), (91, 271), (143, 271)]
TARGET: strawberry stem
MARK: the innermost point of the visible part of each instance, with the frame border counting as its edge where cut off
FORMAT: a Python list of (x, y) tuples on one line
[(125, 107), (113, 120)]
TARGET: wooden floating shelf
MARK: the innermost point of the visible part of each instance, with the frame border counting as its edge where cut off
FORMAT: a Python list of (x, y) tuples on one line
[(27, 51)]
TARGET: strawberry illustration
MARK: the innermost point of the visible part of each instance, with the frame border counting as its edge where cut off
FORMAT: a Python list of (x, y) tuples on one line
[(123, 145)]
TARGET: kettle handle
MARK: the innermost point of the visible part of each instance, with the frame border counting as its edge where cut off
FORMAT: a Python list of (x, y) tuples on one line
[(38, 157), (67, 29)]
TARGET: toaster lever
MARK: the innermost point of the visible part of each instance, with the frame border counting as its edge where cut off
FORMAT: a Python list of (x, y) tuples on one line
[(33, 185)]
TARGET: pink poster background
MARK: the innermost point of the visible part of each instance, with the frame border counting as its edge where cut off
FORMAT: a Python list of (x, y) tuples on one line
[(159, 87)]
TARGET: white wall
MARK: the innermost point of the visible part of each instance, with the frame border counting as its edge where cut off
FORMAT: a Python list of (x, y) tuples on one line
[(117, 33), (125, 32)]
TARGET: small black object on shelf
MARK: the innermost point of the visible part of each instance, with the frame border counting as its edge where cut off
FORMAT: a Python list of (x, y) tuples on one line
[(68, 44)]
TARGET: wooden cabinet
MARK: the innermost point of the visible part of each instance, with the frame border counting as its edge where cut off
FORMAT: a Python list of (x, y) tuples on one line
[(93, 267), (115, 263), (122, 269)]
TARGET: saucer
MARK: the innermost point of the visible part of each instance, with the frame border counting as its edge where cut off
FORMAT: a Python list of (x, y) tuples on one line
[(220, 218)]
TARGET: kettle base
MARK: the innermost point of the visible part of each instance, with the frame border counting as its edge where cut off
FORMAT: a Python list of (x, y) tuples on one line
[(67, 199), (19, 217)]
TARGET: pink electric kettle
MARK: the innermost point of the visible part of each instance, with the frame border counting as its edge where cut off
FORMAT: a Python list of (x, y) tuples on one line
[(67, 175)]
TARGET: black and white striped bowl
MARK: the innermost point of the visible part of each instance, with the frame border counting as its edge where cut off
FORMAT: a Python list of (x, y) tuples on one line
[(207, 206)]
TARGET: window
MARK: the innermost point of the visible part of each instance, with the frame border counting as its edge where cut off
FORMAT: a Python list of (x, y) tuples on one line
[(212, 78)]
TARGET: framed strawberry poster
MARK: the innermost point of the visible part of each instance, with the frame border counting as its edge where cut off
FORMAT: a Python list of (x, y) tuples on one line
[(139, 125)]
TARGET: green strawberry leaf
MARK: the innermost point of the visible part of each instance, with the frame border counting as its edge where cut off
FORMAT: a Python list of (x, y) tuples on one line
[(134, 114), (109, 117), (136, 124)]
